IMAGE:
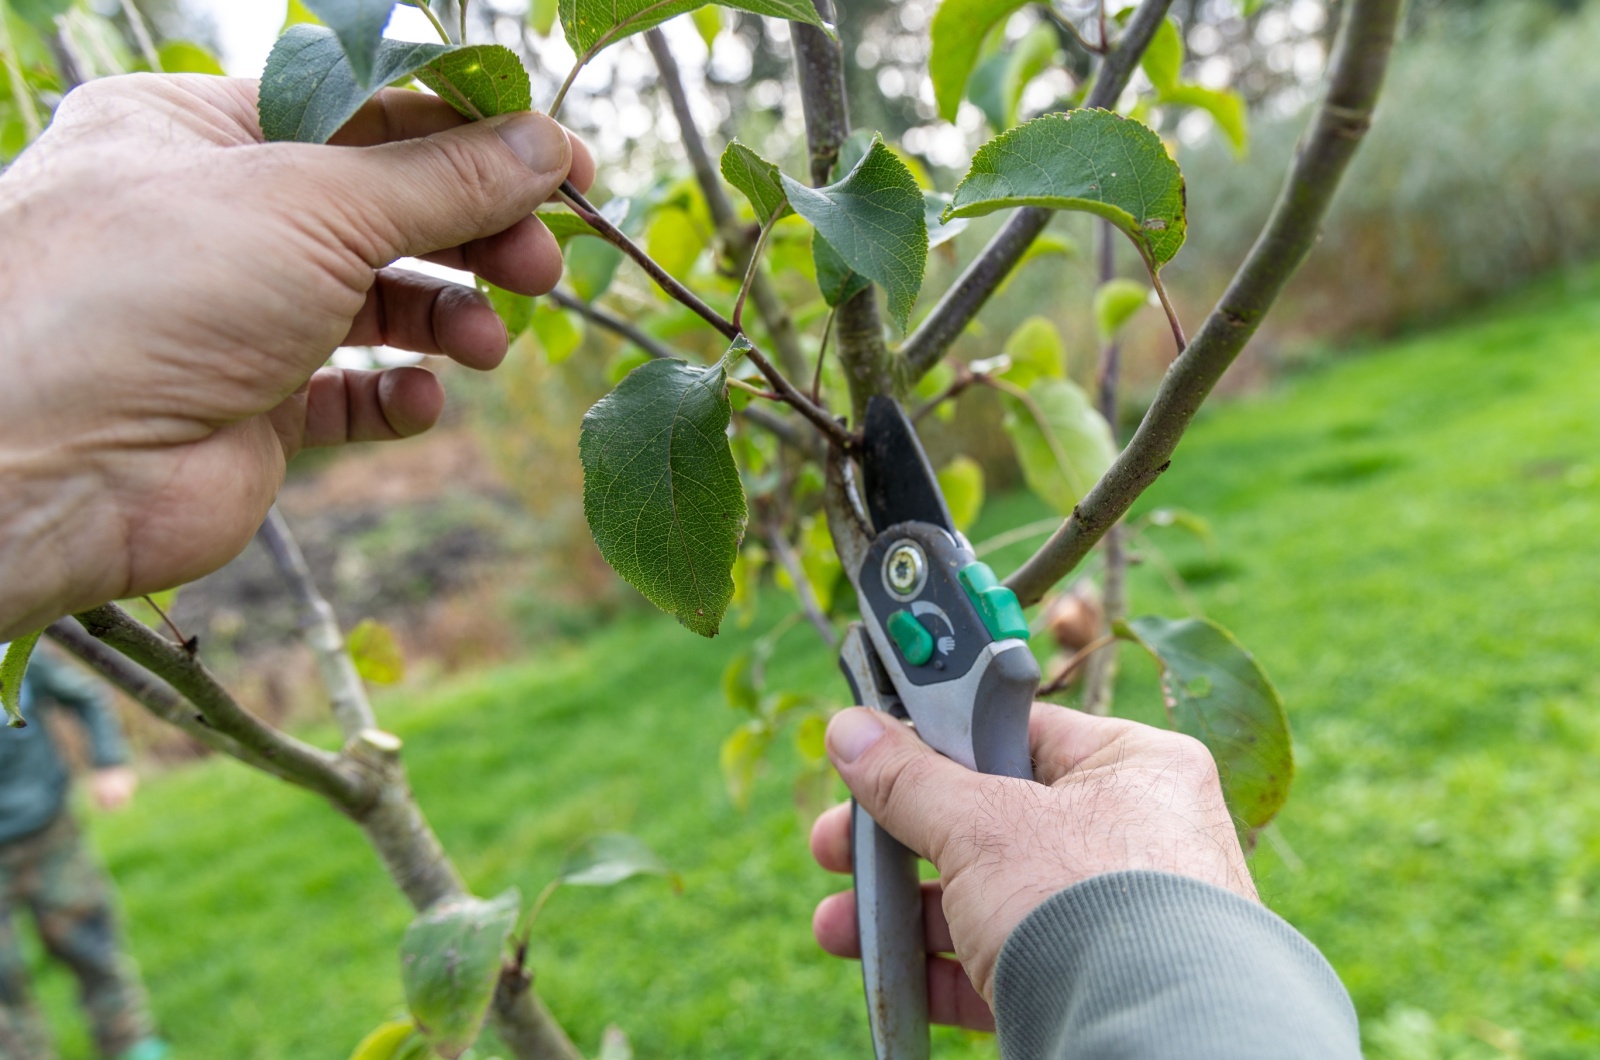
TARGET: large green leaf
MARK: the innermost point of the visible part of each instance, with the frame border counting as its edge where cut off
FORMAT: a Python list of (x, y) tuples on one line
[(958, 30), (12, 666), (450, 961), (873, 220), (608, 859), (1216, 692), (1063, 444), (1090, 160), (359, 27), (591, 25), (759, 180), (309, 89), (660, 489), (835, 279)]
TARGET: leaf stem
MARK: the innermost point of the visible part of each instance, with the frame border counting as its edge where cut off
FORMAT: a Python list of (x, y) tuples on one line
[(1059, 681), (750, 273), (438, 27), (822, 356), (462, 5), (754, 390), (1166, 304)]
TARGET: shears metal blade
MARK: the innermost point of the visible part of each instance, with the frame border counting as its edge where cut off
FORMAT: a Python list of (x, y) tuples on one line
[(941, 645)]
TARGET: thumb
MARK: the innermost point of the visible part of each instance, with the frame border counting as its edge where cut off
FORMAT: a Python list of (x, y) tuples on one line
[(415, 197), (917, 794)]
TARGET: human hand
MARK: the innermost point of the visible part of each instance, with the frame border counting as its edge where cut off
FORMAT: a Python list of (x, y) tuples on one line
[(112, 787), (171, 287), (1110, 795)]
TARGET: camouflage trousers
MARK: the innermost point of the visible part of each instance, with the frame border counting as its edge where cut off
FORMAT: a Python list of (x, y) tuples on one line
[(54, 876)]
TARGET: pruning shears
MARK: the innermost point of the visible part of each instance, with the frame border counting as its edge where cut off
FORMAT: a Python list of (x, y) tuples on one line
[(943, 645)]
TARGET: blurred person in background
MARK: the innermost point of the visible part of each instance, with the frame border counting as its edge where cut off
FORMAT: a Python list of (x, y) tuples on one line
[(47, 868)]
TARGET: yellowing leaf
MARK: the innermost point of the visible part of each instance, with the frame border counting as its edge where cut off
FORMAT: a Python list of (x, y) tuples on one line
[(1115, 303), (708, 23), (376, 652)]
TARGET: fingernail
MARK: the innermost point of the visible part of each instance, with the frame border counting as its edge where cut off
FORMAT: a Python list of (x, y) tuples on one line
[(537, 140), (853, 731)]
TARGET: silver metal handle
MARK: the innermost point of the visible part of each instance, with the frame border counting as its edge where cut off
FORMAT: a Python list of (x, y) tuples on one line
[(893, 957)]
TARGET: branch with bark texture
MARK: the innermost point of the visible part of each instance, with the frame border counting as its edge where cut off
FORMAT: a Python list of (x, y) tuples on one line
[(310, 767), (1354, 82), (927, 345)]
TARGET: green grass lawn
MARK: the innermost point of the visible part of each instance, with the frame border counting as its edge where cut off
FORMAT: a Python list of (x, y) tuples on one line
[(1408, 544)]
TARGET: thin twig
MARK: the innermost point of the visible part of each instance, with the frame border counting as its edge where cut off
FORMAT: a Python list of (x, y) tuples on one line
[(964, 378), (754, 391), (822, 357), (1066, 24), (438, 27), (1355, 80), (308, 766), (1060, 680), (319, 627), (750, 272), (177, 634), (141, 35), (927, 345)]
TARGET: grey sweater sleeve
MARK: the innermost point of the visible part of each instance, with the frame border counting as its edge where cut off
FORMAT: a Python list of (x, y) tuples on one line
[(1152, 966)]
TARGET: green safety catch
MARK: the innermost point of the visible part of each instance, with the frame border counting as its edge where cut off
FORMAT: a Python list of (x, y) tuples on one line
[(996, 604), (911, 637)]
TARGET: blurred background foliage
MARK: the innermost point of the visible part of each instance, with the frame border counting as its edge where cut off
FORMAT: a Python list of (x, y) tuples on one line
[(1400, 508)]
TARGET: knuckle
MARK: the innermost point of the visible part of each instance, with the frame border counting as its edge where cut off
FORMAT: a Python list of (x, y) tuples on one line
[(476, 176)]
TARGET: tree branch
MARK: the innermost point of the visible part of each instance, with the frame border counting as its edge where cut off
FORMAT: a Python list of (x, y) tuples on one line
[(819, 67), (153, 694), (319, 627), (310, 767), (784, 553), (956, 308), (1355, 80)]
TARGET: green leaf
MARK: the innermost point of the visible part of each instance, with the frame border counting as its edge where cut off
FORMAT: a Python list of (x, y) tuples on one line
[(1216, 692), (564, 225), (961, 481), (758, 179), (1226, 108), (958, 30), (674, 240), (873, 220), (359, 26), (609, 859), (819, 560), (1063, 444), (660, 490), (515, 310), (384, 1043), (480, 80), (591, 266), (591, 25), (1163, 60), (1115, 303), (624, 362), (811, 738), (559, 333), (12, 667), (542, 16), (741, 756), (309, 89), (450, 961), (940, 231), (186, 57), (376, 652), (1091, 160), (835, 279), (1027, 59), (1036, 352), (738, 683), (708, 23)]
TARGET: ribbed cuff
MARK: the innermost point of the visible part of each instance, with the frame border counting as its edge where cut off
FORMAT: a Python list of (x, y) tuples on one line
[(1152, 966)]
